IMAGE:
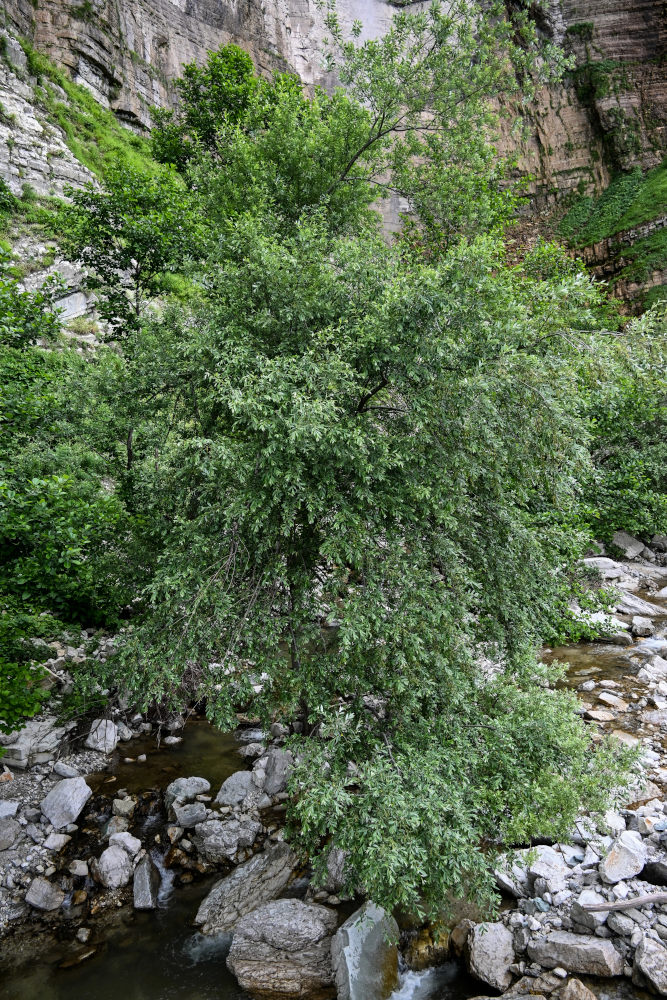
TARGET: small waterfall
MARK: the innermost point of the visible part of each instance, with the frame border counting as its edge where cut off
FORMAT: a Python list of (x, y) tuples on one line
[(166, 880)]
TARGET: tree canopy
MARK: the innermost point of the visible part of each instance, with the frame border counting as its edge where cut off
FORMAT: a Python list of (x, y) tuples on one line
[(343, 480)]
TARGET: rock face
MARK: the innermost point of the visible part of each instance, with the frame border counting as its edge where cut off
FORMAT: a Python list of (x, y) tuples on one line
[(364, 955), (146, 884), (611, 112), (284, 948), (650, 968), (65, 801), (490, 952), (581, 953), (249, 886), (44, 895)]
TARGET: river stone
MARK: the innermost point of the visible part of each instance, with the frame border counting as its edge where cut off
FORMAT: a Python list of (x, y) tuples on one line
[(125, 840), (44, 895), (625, 859), (146, 884), (113, 868), (489, 953), (9, 831), (284, 947), (103, 736), (235, 788), (65, 801), (581, 953), (185, 790), (364, 955), (189, 814), (219, 841), (277, 770), (650, 965), (65, 770), (252, 884)]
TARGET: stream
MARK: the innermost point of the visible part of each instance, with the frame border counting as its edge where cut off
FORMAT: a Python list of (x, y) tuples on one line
[(159, 955)]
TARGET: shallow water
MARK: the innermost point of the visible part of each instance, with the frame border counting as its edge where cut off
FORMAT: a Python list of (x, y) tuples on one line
[(142, 956)]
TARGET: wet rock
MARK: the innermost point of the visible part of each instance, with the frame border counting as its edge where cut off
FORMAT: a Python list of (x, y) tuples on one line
[(185, 790), (9, 832), (219, 841), (252, 884), (625, 859), (44, 895), (146, 884), (125, 840), (124, 807), (364, 955), (124, 732), (65, 801), (113, 869), (284, 947), (650, 966), (489, 954), (582, 953), (642, 626), (78, 868), (103, 736), (277, 770), (117, 824), (235, 788)]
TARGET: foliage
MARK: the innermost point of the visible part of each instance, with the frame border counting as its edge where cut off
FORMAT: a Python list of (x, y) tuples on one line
[(212, 95), (341, 508), (645, 256), (25, 317), (629, 200), (628, 416), (127, 236)]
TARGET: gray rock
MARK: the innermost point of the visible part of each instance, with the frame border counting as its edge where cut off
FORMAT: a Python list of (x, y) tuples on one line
[(630, 604), (650, 966), (117, 824), (642, 626), (44, 895), (252, 884), (219, 841), (56, 841), (124, 807), (9, 832), (65, 801), (185, 790), (125, 840), (628, 544), (37, 742), (489, 954), (124, 732), (336, 862), (146, 884), (65, 770), (113, 869), (278, 767), (284, 947), (580, 953), (103, 736), (625, 859), (8, 807), (235, 788), (189, 814), (550, 866), (364, 955), (583, 917)]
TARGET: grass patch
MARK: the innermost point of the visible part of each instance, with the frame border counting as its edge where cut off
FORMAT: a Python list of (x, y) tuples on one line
[(93, 134), (630, 200), (645, 256)]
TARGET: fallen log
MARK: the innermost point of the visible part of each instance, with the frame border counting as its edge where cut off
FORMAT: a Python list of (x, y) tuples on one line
[(629, 904)]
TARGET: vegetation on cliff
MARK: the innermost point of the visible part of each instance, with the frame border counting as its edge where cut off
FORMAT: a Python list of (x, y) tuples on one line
[(332, 478)]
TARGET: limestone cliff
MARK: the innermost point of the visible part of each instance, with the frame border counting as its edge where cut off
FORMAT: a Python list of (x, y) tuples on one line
[(610, 113)]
